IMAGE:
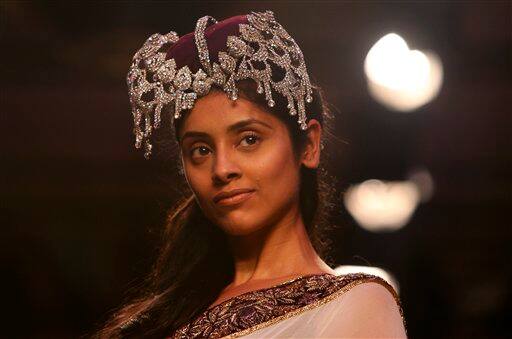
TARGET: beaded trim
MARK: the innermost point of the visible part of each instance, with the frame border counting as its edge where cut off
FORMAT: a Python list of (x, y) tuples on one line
[(155, 83)]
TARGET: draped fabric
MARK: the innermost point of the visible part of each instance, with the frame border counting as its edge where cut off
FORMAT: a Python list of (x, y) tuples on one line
[(312, 306)]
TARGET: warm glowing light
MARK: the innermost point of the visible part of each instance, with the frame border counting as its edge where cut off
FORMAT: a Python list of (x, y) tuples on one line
[(382, 206), (399, 78), (380, 272)]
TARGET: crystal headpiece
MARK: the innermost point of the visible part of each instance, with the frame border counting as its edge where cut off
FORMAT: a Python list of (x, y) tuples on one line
[(155, 82)]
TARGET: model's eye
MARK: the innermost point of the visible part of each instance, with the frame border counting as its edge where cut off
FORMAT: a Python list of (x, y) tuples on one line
[(250, 139), (199, 151)]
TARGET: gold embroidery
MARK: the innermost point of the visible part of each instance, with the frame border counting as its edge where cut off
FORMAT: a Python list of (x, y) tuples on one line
[(233, 299), (320, 303), (253, 310)]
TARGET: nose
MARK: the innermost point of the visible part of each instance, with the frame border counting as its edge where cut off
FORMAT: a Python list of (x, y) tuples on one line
[(225, 167)]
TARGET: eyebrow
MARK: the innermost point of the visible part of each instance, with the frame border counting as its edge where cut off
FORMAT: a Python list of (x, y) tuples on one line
[(234, 127)]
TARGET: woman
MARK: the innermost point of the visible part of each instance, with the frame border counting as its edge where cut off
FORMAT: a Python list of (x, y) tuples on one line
[(240, 255)]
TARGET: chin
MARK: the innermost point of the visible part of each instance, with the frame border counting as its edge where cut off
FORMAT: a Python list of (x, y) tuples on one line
[(237, 226)]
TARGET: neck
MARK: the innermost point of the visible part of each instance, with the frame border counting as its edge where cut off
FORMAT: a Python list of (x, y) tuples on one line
[(279, 251)]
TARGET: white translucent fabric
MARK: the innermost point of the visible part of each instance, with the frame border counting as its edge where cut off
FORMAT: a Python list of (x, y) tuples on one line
[(367, 310)]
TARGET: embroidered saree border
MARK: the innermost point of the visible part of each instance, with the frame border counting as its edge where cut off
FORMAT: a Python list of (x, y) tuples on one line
[(292, 280), (319, 303)]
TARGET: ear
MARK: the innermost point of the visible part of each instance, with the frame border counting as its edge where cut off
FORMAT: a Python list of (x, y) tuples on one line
[(311, 153)]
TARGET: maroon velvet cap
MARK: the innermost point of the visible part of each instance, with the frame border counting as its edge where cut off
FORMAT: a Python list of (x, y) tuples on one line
[(184, 51)]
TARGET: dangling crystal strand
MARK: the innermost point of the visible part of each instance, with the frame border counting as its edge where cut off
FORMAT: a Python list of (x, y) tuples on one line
[(230, 87), (291, 106), (147, 126), (268, 94), (158, 111), (302, 114), (259, 89), (234, 91), (137, 117), (309, 89), (293, 111), (147, 147), (290, 101), (234, 95), (138, 139), (177, 104), (138, 136)]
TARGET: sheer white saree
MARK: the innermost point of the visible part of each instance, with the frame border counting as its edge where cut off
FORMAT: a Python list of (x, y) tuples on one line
[(335, 318), (315, 306)]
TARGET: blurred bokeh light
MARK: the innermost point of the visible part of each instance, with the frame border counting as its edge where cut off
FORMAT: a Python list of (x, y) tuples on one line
[(399, 78), (382, 206)]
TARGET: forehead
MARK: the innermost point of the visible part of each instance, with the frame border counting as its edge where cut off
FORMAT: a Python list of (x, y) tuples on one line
[(214, 112)]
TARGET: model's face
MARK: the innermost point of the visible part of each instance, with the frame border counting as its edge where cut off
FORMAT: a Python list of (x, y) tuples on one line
[(228, 145)]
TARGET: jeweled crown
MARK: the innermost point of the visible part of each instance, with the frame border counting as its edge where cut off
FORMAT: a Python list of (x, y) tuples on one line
[(155, 82)]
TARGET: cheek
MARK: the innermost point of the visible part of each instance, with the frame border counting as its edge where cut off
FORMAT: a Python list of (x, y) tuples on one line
[(276, 173), (198, 182)]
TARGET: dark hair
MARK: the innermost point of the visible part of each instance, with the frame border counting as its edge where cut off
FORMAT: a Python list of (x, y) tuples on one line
[(194, 252)]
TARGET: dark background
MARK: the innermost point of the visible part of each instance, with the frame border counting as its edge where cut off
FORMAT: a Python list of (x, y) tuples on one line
[(78, 201)]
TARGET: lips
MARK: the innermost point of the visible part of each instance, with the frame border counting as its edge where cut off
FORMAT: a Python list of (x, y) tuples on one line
[(233, 195)]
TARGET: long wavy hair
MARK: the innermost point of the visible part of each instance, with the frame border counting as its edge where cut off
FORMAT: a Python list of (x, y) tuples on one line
[(194, 253)]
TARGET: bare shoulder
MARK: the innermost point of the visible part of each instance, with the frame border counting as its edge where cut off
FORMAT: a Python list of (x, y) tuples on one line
[(371, 309)]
